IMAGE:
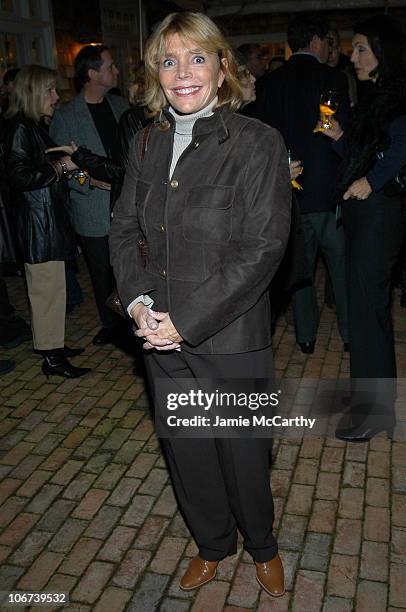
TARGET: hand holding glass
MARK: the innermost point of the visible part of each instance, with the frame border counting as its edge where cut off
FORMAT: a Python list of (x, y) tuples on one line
[(328, 107), (296, 169)]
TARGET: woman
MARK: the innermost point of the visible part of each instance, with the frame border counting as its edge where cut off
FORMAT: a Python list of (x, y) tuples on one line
[(247, 84), (40, 192), (208, 191), (374, 151)]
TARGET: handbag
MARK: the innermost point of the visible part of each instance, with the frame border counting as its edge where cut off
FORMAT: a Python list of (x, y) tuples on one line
[(113, 301)]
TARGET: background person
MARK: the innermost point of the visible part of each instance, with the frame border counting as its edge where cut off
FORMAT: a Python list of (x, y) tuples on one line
[(210, 194), (341, 62), (7, 88), (374, 149), (276, 62), (91, 120), (289, 101), (255, 59), (247, 84), (40, 193), (112, 169)]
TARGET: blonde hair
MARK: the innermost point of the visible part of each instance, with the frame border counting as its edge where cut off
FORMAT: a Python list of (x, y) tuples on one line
[(30, 86), (201, 30), (136, 83)]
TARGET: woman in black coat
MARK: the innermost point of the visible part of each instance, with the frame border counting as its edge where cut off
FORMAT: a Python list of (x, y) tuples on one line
[(374, 150), (40, 192)]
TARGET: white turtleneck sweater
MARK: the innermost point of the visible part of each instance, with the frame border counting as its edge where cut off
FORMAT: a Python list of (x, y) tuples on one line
[(184, 130), (182, 139)]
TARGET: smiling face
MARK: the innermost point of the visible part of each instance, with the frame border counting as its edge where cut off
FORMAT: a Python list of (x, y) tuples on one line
[(189, 76), (51, 97), (363, 58)]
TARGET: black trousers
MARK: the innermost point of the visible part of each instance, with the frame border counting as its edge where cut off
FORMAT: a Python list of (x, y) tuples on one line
[(374, 230), (221, 484), (7, 311), (11, 325), (320, 232), (97, 257)]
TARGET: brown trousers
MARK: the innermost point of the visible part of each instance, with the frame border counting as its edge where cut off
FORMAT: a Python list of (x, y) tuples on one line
[(47, 295)]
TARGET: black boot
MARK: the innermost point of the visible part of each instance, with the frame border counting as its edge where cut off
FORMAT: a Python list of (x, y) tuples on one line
[(56, 364), (66, 351)]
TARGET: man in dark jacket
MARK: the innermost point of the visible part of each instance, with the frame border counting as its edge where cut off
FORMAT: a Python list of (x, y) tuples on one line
[(289, 101)]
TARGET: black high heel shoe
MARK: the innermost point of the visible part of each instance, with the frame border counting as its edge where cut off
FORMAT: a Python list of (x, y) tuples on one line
[(56, 364), (364, 427), (364, 432)]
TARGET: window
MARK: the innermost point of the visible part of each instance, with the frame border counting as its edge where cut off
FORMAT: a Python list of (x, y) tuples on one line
[(35, 51), (8, 51), (7, 5), (33, 8)]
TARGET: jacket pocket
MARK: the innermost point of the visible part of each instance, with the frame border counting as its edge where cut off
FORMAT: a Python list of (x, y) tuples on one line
[(207, 216)]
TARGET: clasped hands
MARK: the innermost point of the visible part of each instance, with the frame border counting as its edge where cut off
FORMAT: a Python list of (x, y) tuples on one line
[(156, 328)]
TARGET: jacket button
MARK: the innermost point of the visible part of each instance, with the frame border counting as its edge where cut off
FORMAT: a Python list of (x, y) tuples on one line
[(163, 273), (162, 228), (174, 184), (196, 144)]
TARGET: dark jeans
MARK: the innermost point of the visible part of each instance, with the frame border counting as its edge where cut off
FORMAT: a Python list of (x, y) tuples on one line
[(97, 257)]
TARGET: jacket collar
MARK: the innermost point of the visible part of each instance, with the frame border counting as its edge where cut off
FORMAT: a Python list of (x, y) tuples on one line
[(82, 104), (303, 56), (308, 53), (204, 126)]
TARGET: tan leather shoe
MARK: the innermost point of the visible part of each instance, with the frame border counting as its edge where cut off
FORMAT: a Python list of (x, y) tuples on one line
[(199, 572), (271, 577)]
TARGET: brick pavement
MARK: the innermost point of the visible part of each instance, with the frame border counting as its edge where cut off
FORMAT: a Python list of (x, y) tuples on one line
[(86, 505)]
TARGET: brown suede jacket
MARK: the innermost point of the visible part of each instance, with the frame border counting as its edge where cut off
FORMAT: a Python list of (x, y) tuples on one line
[(215, 231)]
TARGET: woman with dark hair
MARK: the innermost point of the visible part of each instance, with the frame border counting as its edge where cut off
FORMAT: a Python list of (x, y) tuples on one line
[(374, 150), (40, 192)]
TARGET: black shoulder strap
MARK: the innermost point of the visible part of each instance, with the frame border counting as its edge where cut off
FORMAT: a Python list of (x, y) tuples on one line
[(145, 138)]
